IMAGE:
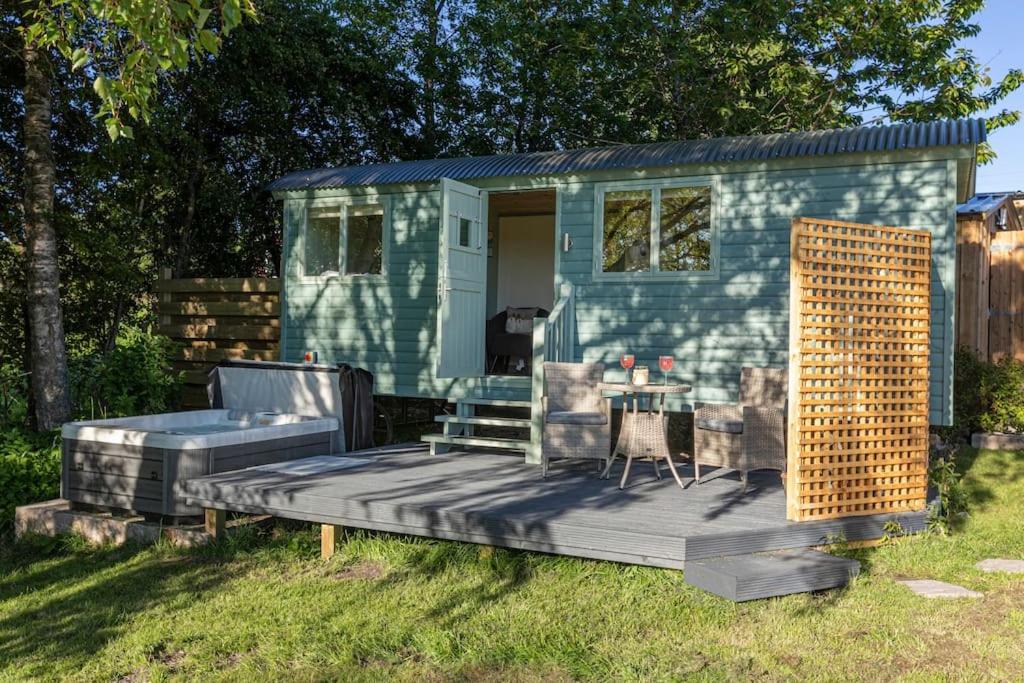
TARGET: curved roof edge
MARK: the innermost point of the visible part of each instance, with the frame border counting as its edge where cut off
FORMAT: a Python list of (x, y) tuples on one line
[(892, 137)]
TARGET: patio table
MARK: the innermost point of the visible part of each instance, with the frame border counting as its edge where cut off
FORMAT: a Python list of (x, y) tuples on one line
[(644, 434)]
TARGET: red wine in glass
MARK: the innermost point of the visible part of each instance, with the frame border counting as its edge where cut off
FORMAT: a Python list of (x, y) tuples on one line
[(627, 360), (666, 363)]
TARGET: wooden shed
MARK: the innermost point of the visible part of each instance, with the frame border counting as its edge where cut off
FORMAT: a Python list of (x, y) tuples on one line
[(990, 276)]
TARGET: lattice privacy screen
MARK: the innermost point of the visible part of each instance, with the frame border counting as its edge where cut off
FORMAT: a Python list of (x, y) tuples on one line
[(858, 389)]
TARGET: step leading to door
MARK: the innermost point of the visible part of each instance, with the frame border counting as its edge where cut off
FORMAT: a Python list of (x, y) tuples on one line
[(479, 441), (460, 429), (768, 575), (486, 401), (513, 422)]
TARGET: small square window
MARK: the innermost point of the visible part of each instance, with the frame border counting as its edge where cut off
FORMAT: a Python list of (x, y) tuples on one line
[(465, 232), (322, 242), (364, 248)]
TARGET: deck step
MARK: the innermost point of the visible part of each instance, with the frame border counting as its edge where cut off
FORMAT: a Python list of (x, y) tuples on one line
[(483, 401), (479, 441), (518, 423), (768, 575)]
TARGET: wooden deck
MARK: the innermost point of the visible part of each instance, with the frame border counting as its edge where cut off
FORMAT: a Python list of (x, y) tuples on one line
[(495, 499)]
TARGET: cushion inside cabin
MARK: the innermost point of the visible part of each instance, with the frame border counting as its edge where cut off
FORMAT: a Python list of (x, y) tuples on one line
[(520, 320)]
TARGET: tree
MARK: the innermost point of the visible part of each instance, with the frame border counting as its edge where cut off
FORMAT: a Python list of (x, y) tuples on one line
[(125, 46), (570, 73)]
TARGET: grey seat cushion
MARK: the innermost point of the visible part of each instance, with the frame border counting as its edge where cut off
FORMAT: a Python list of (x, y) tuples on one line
[(720, 425), (565, 417)]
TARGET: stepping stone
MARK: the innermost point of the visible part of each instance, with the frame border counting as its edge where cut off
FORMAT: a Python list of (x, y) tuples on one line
[(1008, 566), (937, 589)]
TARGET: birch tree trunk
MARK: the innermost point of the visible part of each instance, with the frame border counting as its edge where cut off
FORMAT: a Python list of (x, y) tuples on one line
[(47, 351)]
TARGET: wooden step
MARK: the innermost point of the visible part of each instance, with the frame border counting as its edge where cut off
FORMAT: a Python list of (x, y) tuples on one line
[(482, 401), (768, 575), (518, 423), (478, 441)]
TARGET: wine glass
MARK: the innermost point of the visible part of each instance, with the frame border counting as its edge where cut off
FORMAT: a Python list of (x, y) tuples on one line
[(627, 360), (666, 363)]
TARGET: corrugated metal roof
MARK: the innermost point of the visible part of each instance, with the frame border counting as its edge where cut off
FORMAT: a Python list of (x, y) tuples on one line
[(893, 137), (984, 202)]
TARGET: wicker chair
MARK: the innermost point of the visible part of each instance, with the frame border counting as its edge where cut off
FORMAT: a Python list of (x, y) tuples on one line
[(577, 419), (747, 436)]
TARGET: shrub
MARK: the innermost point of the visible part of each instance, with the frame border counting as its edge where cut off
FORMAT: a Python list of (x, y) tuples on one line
[(1003, 397), (131, 379), (29, 470), (947, 481), (13, 395), (986, 396)]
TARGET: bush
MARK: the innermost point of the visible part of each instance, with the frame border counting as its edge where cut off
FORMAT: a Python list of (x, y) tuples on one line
[(29, 470), (945, 478), (131, 379), (987, 397)]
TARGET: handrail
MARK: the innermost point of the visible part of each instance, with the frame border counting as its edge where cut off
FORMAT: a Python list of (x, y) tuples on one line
[(554, 339), (560, 327)]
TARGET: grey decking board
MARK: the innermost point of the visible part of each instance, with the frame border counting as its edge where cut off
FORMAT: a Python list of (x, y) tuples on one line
[(754, 576), (489, 498), (466, 536), (801, 535), (536, 499), (494, 529)]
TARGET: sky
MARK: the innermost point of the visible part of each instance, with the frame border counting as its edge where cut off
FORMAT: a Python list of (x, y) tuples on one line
[(1000, 45)]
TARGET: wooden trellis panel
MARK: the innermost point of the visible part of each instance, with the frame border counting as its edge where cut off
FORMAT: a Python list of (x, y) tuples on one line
[(858, 387)]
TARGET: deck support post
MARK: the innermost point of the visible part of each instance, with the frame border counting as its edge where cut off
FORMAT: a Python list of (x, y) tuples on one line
[(215, 521), (330, 538)]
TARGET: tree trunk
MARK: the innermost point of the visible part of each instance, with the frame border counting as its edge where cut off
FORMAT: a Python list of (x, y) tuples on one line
[(49, 358)]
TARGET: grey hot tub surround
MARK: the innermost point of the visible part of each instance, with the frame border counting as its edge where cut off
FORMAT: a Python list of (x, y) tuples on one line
[(134, 463), (260, 413)]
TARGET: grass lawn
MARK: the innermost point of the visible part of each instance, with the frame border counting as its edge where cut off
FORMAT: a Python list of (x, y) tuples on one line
[(263, 605)]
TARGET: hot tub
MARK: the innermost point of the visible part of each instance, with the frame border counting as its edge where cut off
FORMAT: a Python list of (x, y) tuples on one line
[(132, 463)]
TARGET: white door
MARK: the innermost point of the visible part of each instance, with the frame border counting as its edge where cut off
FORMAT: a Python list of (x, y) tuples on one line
[(462, 281)]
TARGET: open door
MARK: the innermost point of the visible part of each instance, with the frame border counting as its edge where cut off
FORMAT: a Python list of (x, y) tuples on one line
[(462, 281)]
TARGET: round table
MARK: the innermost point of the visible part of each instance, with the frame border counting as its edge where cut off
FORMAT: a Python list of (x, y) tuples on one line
[(644, 434)]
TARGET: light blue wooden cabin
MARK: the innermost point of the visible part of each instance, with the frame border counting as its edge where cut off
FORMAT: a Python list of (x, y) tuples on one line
[(677, 248)]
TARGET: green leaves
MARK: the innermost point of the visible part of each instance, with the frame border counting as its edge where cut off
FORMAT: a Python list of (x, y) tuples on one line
[(126, 45)]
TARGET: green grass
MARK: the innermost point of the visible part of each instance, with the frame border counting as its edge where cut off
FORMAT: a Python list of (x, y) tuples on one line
[(262, 605)]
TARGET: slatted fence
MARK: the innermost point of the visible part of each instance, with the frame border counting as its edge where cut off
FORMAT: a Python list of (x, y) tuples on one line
[(213, 319), (858, 396), (1006, 296)]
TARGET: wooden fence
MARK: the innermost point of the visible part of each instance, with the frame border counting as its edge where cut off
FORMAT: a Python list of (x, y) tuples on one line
[(858, 396), (213, 319), (990, 289)]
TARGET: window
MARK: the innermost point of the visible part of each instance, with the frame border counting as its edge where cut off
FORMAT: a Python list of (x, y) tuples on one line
[(344, 239), (627, 231), (685, 235), (656, 228), (364, 247), (323, 239), (465, 231)]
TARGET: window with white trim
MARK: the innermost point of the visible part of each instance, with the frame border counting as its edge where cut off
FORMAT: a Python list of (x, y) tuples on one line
[(345, 239), (364, 239), (322, 254), (656, 228)]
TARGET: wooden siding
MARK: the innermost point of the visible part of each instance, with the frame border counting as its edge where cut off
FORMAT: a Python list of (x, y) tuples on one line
[(713, 327)]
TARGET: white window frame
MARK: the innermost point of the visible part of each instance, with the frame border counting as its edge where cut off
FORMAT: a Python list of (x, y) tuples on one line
[(656, 186), (343, 204)]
